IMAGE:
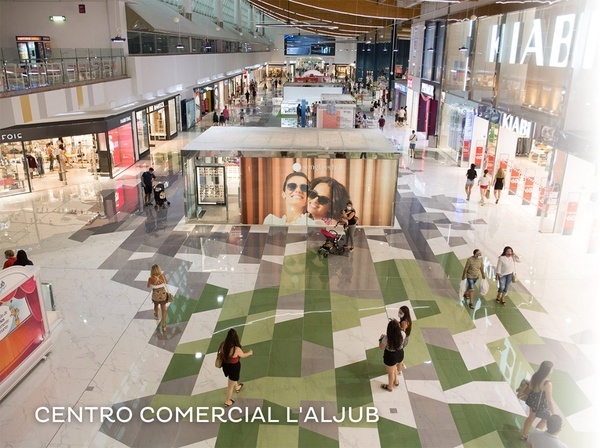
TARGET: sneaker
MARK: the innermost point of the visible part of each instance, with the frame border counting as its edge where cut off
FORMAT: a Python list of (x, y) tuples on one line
[(496, 201)]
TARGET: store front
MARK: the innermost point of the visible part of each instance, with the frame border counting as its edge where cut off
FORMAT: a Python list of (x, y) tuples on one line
[(400, 94), (203, 101), (263, 176), (456, 128), (428, 109), (65, 152), (163, 119)]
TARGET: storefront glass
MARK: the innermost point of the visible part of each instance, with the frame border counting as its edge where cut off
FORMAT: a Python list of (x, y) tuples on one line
[(173, 109), (535, 59), (456, 127), (13, 178), (457, 76), (483, 78), (141, 120), (120, 143)]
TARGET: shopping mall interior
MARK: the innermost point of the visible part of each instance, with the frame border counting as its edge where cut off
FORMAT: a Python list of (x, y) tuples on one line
[(86, 358)]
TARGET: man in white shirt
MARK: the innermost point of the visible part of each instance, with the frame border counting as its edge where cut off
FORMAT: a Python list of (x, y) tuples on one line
[(548, 438), (412, 143)]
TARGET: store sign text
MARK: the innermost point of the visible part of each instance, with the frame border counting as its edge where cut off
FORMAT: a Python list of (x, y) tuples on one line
[(125, 120), (427, 89), (516, 124), (510, 40), (11, 137)]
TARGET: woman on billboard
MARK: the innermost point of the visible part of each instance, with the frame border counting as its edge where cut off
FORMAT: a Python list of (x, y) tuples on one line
[(295, 190), (326, 198)]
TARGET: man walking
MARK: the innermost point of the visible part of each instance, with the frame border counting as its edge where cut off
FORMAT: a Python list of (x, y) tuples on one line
[(381, 123), (147, 178)]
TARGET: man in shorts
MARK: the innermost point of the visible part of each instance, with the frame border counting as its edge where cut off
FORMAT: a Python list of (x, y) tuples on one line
[(473, 268), (147, 178)]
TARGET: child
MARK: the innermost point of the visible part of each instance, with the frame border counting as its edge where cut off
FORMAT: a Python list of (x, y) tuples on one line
[(343, 219)]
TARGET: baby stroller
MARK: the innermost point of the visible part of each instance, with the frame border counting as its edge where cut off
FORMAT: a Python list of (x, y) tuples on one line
[(331, 246), (160, 197)]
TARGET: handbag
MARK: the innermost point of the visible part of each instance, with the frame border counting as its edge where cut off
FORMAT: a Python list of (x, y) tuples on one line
[(523, 390), (160, 295), (487, 194), (219, 358), (515, 279)]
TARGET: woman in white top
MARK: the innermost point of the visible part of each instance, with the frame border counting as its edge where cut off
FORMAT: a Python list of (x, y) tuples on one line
[(484, 184), (505, 273)]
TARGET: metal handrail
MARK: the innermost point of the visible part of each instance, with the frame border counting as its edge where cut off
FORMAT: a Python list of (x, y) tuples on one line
[(65, 67)]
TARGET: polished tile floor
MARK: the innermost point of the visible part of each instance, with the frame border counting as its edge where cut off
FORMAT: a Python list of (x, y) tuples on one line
[(312, 322)]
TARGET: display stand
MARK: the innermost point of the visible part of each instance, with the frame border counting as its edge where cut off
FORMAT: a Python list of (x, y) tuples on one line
[(24, 330)]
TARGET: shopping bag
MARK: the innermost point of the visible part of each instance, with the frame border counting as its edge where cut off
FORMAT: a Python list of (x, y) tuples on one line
[(462, 288), (487, 194), (484, 286), (523, 390)]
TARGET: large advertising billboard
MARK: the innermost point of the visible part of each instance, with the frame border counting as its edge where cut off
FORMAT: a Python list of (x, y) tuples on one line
[(313, 191)]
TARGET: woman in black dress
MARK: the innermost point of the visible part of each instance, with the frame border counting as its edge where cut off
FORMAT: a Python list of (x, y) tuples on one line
[(498, 183)]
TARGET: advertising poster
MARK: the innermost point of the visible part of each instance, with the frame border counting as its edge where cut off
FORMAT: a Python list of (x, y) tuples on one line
[(21, 325), (478, 156), (514, 181), (120, 143), (528, 190), (335, 116), (313, 192), (570, 218)]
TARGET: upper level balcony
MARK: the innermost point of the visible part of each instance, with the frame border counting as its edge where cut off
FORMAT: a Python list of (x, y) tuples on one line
[(66, 68)]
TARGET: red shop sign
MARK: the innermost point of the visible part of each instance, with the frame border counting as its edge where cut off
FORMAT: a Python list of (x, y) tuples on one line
[(514, 181), (478, 156), (490, 164), (528, 191), (504, 164), (541, 200), (570, 218), (466, 150)]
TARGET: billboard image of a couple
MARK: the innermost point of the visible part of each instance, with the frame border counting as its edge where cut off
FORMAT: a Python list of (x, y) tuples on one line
[(314, 191)]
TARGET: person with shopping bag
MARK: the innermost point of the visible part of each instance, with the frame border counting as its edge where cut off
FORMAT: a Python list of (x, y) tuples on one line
[(473, 268)]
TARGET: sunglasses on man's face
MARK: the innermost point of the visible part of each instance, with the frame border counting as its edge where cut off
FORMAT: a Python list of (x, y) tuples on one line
[(323, 200), (293, 185)]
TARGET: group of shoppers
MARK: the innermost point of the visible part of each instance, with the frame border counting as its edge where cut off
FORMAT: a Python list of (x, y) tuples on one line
[(20, 259), (485, 182)]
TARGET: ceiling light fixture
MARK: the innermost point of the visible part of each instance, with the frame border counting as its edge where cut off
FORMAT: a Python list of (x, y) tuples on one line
[(117, 38), (463, 48), (58, 18)]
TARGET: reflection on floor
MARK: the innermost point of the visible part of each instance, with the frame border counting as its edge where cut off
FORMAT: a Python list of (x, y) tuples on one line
[(313, 324)]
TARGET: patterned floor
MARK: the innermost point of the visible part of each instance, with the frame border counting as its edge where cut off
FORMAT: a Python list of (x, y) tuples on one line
[(313, 324)]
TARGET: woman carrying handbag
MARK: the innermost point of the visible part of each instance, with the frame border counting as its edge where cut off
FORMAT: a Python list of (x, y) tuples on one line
[(160, 296)]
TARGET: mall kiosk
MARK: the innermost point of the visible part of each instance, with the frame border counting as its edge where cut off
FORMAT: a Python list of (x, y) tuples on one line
[(238, 175), (24, 330)]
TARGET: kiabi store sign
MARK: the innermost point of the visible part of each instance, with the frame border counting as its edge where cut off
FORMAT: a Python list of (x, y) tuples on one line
[(516, 124), (507, 40)]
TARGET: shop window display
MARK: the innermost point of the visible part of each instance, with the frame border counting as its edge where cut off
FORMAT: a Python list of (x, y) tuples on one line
[(12, 172), (120, 144)]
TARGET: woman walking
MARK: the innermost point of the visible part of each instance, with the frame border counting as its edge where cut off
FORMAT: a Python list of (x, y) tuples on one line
[(498, 183), (539, 400), (393, 354), (230, 353), (506, 273), (158, 282), (471, 176), (484, 185)]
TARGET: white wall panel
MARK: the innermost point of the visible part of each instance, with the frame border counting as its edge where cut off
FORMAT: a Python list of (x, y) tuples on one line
[(31, 18)]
